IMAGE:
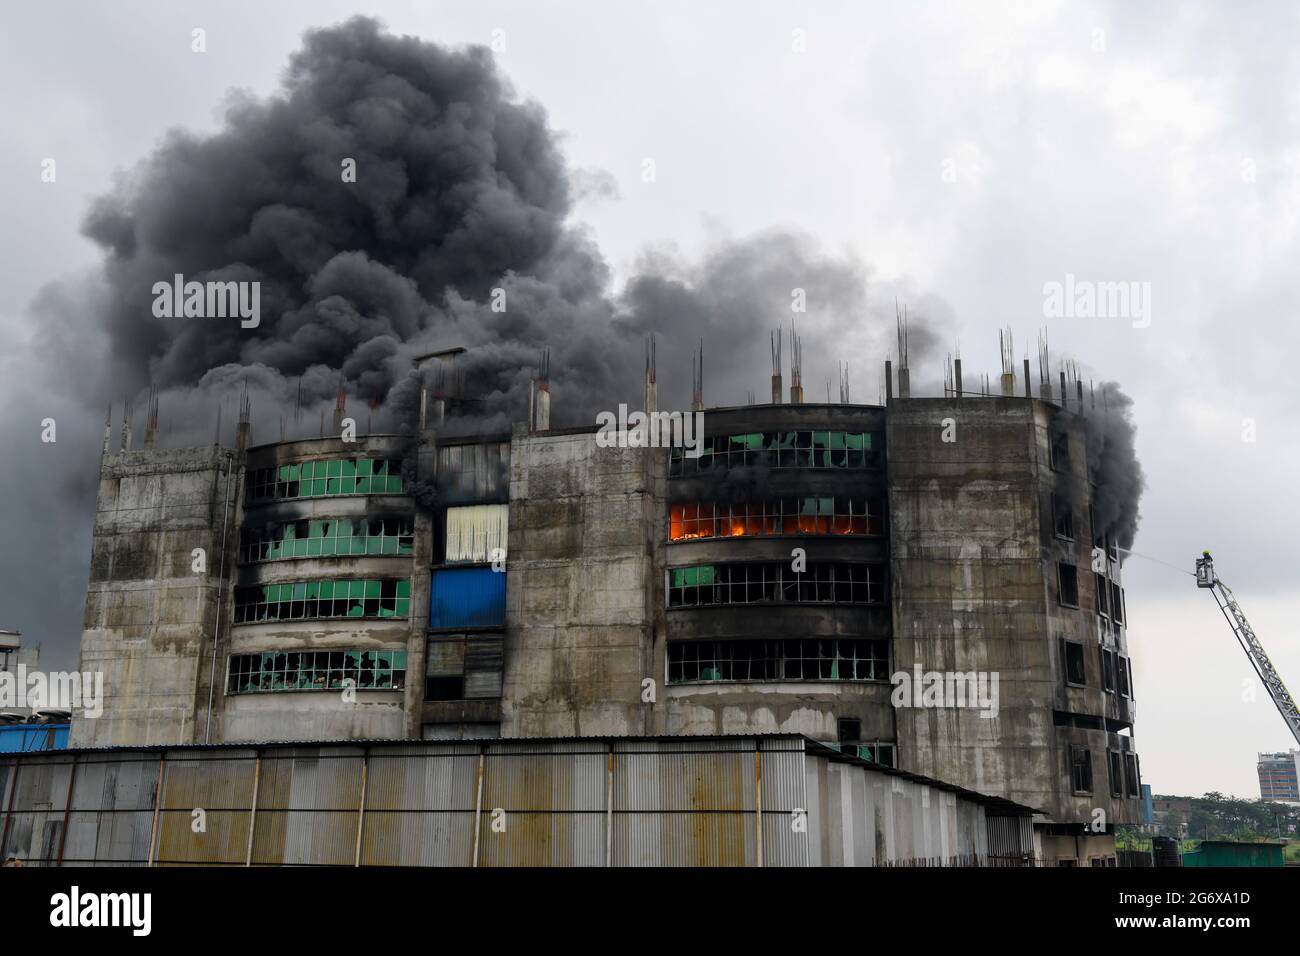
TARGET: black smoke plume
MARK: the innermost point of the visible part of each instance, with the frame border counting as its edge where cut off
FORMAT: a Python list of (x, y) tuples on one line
[(462, 202), (1114, 466)]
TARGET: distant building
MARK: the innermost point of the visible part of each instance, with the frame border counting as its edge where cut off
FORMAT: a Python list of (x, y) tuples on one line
[(1279, 777), (14, 653), (21, 730), (1148, 806)]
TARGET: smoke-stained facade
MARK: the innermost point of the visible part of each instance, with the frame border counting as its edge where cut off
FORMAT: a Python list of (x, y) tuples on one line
[(551, 585)]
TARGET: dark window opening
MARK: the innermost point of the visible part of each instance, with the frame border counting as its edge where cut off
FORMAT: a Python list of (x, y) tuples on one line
[(1062, 518), (794, 659), (1107, 671), (1060, 451), (1081, 769), (1102, 590), (795, 449), (850, 730), (1072, 653), (1068, 578), (1131, 774), (829, 582), (444, 688), (1116, 773), (1122, 673), (1117, 603)]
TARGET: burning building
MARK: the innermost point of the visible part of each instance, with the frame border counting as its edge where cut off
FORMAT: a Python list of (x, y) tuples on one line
[(800, 570), (465, 559)]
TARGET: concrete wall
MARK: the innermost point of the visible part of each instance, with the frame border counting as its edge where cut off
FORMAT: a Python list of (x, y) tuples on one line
[(975, 589), (584, 594), (149, 616)]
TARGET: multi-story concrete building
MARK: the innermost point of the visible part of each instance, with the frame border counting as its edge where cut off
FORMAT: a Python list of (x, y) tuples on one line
[(1279, 777), (578, 587)]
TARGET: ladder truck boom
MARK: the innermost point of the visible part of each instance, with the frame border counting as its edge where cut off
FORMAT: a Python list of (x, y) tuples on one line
[(1206, 578)]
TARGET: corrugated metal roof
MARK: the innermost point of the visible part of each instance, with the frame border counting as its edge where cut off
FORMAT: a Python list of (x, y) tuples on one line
[(684, 743)]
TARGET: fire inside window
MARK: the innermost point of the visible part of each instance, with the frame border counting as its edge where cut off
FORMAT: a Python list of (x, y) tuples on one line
[(801, 659), (797, 449), (753, 583), (778, 516), (316, 670)]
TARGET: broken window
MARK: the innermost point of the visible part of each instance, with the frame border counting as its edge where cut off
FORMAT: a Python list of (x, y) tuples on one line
[(796, 659), (1060, 451), (306, 600), (1117, 603), (315, 670), (1068, 579), (840, 582), (877, 753), (1063, 517), (1122, 673), (327, 537), (826, 514), (1072, 654), (791, 449), (1116, 773), (325, 478), (1081, 769)]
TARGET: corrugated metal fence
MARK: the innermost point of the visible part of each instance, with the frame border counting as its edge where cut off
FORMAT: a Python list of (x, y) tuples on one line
[(579, 802)]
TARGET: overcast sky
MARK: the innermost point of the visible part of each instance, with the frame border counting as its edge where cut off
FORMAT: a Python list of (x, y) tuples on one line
[(972, 152)]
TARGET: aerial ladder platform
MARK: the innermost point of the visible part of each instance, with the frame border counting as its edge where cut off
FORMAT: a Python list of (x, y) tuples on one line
[(1206, 578)]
